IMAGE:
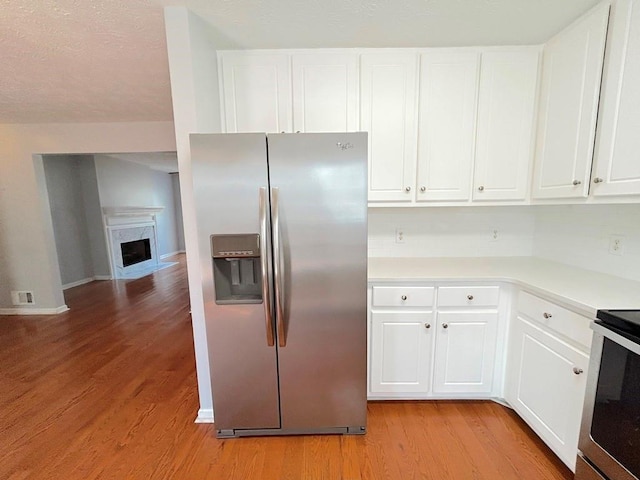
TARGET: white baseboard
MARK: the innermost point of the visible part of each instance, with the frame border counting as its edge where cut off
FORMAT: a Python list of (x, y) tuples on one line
[(34, 311), (85, 281), (205, 415), (78, 283), (162, 257)]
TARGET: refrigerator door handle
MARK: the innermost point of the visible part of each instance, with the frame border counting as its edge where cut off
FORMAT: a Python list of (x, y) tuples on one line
[(277, 264), (264, 266)]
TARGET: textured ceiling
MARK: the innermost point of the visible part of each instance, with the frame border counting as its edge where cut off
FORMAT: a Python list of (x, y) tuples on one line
[(83, 61), (162, 161), (106, 60)]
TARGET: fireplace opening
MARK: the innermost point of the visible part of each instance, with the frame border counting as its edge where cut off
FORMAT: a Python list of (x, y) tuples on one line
[(135, 252)]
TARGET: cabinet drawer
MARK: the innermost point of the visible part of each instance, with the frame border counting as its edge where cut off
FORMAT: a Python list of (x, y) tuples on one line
[(468, 296), (402, 296), (557, 318)]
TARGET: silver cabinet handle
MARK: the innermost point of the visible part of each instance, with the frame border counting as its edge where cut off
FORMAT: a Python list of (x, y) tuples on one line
[(264, 265), (427, 325), (547, 315), (277, 266), (597, 180), (403, 297), (423, 189), (407, 189), (577, 370), (576, 182), (469, 297), (445, 325), (481, 188)]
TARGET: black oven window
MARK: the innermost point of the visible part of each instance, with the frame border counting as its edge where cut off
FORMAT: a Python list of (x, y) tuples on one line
[(616, 415)]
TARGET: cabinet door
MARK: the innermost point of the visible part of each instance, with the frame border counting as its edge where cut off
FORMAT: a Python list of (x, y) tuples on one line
[(465, 352), (256, 92), (446, 124), (504, 140), (388, 113), (325, 92), (544, 389), (400, 351), (571, 74), (617, 170)]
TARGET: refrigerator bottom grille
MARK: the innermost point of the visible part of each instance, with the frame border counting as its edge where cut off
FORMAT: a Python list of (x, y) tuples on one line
[(230, 433)]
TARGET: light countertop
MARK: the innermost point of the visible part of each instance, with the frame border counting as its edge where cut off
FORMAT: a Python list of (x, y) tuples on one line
[(581, 290)]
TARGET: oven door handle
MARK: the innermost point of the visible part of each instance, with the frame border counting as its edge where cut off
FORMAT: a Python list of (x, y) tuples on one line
[(616, 337)]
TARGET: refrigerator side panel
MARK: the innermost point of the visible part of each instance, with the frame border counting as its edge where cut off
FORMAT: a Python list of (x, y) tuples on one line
[(321, 182), (228, 172)]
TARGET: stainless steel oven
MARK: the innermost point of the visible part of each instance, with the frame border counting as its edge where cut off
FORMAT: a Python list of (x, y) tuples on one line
[(609, 446)]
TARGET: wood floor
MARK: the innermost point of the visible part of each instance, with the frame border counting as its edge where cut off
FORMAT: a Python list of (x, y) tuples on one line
[(108, 390)]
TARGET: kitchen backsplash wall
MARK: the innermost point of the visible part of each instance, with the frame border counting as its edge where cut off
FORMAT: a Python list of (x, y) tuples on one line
[(452, 231), (580, 235)]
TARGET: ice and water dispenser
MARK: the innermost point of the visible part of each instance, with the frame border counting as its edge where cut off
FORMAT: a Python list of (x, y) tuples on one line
[(236, 268)]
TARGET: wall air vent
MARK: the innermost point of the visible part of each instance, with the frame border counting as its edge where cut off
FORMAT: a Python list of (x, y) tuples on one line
[(22, 297)]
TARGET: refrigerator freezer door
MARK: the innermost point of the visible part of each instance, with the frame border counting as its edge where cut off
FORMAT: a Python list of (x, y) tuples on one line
[(321, 182), (228, 174)]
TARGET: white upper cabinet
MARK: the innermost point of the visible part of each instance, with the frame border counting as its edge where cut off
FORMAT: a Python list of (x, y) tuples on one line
[(504, 140), (447, 118), (571, 74), (387, 112), (617, 159), (325, 92), (256, 92)]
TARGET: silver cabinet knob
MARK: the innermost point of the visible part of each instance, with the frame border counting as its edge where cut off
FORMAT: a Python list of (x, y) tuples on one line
[(577, 370), (576, 182), (445, 325), (597, 180), (547, 315), (469, 297), (427, 325), (407, 189), (423, 189), (404, 297), (481, 188)]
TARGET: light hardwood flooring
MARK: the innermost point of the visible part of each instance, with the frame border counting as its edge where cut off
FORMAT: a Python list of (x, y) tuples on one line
[(108, 390)]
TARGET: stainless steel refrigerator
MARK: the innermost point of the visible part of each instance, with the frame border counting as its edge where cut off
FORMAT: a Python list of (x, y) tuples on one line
[(282, 232)]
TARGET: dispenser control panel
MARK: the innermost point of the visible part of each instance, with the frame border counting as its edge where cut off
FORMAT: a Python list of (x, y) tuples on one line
[(237, 274)]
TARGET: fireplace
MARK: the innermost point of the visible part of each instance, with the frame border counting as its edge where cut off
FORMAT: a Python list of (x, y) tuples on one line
[(132, 239), (135, 252)]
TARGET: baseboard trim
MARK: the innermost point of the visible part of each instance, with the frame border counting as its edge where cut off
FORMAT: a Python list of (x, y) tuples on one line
[(162, 257), (33, 311), (205, 415), (78, 283), (103, 277)]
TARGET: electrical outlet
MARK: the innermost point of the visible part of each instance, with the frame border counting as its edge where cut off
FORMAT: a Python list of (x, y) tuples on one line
[(616, 245), (494, 235), (400, 237)]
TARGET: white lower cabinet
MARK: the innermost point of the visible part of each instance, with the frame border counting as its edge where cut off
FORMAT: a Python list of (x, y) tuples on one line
[(546, 383), (465, 352), (418, 350), (402, 342)]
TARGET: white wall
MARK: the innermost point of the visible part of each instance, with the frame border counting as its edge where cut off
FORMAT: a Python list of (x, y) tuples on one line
[(191, 45), (28, 260), (580, 234), (128, 184), (451, 231)]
